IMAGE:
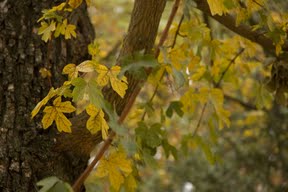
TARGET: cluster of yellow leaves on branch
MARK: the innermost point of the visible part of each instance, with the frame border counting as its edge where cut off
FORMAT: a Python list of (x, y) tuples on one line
[(118, 169), (277, 27), (84, 85), (54, 21)]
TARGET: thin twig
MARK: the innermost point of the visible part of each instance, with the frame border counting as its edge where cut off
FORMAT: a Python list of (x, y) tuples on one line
[(217, 84), (177, 31), (228, 66), (168, 25), (162, 76), (200, 120)]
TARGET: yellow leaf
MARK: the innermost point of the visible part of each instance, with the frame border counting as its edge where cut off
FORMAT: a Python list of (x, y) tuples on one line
[(55, 113), (62, 123), (60, 29), (217, 7), (63, 107), (50, 94), (45, 73), (223, 117), (199, 73), (86, 66), (58, 7), (115, 177), (102, 78), (96, 122), (119, 158), (70, 70), (70, 30), (217, 97), (194, 61), (88, 2), (130, 183), (49, 117), (75, 3), (116, 166), (120, 86), (105, 75), (203, 95), (46, 30)]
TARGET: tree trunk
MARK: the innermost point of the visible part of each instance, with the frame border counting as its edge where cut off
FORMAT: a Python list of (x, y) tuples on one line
[(26, 154)]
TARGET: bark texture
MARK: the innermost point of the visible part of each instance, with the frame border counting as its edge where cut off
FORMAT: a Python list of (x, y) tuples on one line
[(26, 150)]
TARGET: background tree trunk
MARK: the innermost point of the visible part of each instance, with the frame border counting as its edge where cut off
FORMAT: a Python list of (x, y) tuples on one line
[(26, 154)]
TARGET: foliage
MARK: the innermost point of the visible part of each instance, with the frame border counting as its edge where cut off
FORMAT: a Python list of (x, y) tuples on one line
[(200, 90)]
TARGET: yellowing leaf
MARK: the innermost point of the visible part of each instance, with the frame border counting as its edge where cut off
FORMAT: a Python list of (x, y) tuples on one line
[(96, 122), (130, 183), (102, 78), (119, 86), (55, 113), (50, 94), (105, 75), (60, 29), (88, 2), (64, 107), (75, 3), (70, 70), (93, 49), (46, 29), (195, 60), (199, 73), (217, 97), (116, 167), (86, 66), (49, 117), (45, 72), (223, 117), (70, 30), (217, 7), (58, 7), (62, 123)]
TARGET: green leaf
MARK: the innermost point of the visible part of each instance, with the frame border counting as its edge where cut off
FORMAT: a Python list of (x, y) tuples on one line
[(61, 187), (79, 88), (95, 94), (149, 159), (169, 149), (205, 148), (53, 184), (229, 4), (47, 183), (46, 29), (179, 78), (152, 139), (175, 106)]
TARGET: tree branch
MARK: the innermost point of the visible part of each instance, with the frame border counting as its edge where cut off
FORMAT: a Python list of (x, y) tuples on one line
[(242, 29)]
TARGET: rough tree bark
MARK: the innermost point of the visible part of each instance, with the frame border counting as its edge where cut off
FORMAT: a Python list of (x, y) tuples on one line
[(26, 155), (27, 152)]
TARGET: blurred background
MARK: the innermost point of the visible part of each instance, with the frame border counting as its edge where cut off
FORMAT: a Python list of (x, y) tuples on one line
[(250, 155)]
